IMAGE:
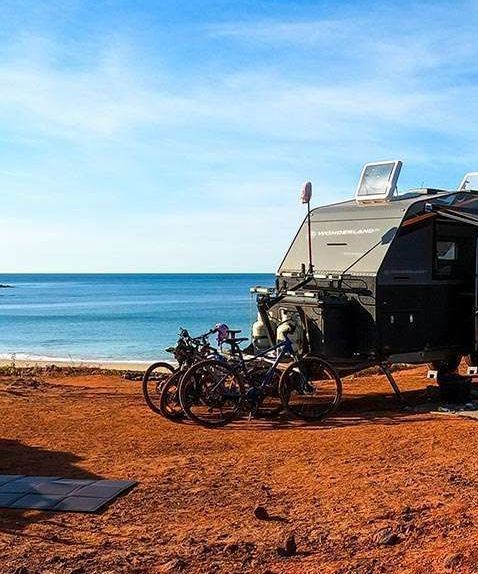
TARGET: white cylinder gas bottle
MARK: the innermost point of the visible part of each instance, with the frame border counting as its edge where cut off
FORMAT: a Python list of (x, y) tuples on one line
[(291, 326), (260, 340)]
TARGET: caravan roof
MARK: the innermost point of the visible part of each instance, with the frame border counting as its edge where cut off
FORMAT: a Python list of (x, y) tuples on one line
[(350, 237), (353, 237)]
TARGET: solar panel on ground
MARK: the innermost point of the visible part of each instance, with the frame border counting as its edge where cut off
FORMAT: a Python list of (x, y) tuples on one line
[(59, 494)]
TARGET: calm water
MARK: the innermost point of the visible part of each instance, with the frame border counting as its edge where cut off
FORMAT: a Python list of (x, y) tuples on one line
[(117, 317)]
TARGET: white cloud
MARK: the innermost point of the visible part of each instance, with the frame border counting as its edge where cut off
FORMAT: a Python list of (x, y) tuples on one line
[(94, 104), (274, 32), (110, 138), (110, 100), (91, 102)]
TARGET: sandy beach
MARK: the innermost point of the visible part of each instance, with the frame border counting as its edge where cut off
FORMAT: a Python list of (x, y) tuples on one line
[(102, 365)]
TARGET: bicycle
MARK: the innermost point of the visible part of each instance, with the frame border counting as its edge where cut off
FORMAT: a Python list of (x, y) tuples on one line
[(169, 403), (186, 351), (214, 393)]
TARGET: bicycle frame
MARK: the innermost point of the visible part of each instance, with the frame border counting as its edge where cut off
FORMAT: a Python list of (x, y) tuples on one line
[(240, 367), (285, 347)]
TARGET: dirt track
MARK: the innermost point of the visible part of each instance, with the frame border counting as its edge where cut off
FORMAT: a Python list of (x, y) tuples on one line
[(335, 486)]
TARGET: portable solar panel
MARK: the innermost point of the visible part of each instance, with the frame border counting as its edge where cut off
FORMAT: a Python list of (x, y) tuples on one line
[(59, 494)]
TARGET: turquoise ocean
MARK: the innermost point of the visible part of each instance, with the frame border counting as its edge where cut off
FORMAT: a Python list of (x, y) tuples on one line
[(117, 317)]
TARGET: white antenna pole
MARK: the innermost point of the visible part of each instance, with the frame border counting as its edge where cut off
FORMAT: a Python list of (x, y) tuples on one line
[(306, 196)]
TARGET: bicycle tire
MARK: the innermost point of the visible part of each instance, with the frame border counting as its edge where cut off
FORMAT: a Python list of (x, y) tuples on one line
[(306, 393), (198, 404), (169, 405), (149, 397)]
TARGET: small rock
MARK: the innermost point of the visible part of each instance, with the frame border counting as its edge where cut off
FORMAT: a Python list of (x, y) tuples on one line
[(261, 513), (290, 545), (54, 559), (231, 548), (22, 570), (386, 537), (289, 548), (175, 565), (452, 561), (79, 570)]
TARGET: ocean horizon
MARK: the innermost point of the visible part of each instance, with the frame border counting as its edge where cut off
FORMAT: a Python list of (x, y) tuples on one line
[(117, 317)]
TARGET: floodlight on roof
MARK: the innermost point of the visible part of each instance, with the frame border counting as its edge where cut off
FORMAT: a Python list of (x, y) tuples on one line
[(378, 181), (470, 181)]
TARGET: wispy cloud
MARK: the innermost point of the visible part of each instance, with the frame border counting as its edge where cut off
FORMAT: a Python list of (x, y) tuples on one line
[(94, 130), (99, 104), (94, 101), (307, 33)]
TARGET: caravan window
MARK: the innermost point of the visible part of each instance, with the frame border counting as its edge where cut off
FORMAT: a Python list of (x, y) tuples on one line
[(454, 256), (446, 251)]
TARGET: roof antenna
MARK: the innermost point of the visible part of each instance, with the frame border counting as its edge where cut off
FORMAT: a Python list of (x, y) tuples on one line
[(305, 197)]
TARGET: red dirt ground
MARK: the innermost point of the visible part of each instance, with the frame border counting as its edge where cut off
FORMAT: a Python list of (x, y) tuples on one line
[(337, 487)]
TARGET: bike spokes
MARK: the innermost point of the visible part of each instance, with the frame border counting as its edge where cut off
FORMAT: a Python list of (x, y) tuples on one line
[(211, 393), (310, 388), (169, 404)]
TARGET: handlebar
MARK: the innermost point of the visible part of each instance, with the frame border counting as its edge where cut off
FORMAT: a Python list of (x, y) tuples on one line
[(184, 333)]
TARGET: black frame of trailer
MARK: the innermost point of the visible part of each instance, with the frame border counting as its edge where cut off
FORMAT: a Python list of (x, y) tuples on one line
[(393, 281)]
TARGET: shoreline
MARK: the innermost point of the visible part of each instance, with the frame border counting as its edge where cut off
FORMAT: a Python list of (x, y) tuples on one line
[(106, 365)]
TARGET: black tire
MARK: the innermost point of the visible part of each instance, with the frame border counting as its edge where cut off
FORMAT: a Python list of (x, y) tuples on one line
[(154, 377), (446, 366), (169, 405), (211, 393), (310, 388)]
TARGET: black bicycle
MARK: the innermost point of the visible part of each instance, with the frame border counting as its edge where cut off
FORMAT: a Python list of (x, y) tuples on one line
[(169, 403), (213, 393), (186, 351)]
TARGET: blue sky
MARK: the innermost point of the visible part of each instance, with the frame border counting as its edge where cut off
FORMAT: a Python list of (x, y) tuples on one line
[(174, 136)]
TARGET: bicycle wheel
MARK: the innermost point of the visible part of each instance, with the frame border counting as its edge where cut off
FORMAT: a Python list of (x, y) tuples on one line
[(211, 393), (153, 379), (310, 388), (169, 405)]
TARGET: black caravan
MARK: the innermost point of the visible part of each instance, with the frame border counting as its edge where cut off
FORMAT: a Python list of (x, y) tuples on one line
[(393, 277)]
